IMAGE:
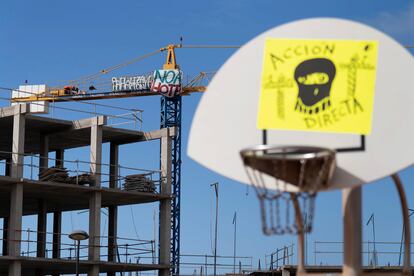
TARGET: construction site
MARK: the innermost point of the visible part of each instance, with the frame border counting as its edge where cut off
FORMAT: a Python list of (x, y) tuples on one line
[(47, 183)]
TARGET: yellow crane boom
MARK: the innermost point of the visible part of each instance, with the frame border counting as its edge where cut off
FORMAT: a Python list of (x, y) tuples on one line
[(100, 95), (67, 93)]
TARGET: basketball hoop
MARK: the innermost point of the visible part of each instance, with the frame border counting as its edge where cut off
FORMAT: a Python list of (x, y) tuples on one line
[(286, 179)]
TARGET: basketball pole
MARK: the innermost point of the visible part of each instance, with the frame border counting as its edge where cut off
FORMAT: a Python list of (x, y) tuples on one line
[(406, 224), (352, 231), (299, 221)]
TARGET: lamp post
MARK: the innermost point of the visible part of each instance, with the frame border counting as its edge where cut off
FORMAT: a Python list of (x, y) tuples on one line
[(215, 235), (234, 243), (374, 253), (305, 226), (78, 236)]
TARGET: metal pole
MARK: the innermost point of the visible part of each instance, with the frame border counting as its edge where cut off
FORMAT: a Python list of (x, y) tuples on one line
[(375, 249), (406, 221), (234, 243), (374, 252), (277, 258), (31, 166), (305, 226), (314, 252), (301, 230), (271, 261), (205, 264), (402, 236), (28, 241), (401, 244), (77, 258), (215, 235), (352, 210)]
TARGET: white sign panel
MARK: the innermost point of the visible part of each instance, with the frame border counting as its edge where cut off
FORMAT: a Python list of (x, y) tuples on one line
[(137, 83), (25, 91), (167, 82)]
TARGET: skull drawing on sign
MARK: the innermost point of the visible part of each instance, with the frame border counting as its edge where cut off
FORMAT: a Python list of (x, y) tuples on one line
[(314, 78)]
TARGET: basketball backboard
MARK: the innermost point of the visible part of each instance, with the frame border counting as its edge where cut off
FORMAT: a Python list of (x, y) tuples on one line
[(226, 120)]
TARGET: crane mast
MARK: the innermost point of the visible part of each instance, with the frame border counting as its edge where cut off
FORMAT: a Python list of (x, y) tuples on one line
[(171, 117)]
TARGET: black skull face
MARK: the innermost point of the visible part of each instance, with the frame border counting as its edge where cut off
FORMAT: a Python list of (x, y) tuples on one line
[(314, 78)]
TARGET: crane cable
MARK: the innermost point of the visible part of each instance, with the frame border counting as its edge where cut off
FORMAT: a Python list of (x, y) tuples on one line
[(134, 60), (115, 67), (211, 46)]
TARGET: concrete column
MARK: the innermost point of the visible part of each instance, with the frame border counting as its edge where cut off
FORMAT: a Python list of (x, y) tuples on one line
[(7, 168), (96, 148), (41, 229), (95, 200), (57, 229), (114, 162), (5, 229), (285, 272), (94, 270), (42, 214), (60, 156), (18, 143), (7, 172), (94, 225), (15, 268), (16, 195), (352, 220), (44, 153), (112, 234), (113, 210), (57, 216), (165, 204)]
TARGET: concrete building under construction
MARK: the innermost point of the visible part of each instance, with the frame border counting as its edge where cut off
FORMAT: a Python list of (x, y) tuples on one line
[(26, 134)]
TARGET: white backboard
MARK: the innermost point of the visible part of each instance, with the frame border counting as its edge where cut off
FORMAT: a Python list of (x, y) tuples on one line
[(226, 118)]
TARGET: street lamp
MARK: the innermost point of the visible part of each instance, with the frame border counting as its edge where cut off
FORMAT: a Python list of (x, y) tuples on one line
[(78, 236), (234, 243), (374, 253)]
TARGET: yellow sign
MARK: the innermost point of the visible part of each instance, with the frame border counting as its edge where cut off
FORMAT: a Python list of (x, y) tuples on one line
[(318, 85)]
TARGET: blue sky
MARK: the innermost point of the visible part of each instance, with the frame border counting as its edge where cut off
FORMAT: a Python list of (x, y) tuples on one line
[(46, 41)]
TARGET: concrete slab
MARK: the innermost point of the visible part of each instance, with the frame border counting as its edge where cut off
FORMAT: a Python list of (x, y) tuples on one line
[(75, 197), (64, 134), (62, 266)]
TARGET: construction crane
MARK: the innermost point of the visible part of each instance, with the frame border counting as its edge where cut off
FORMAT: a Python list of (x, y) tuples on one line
[(72, 91), (170, 117)]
